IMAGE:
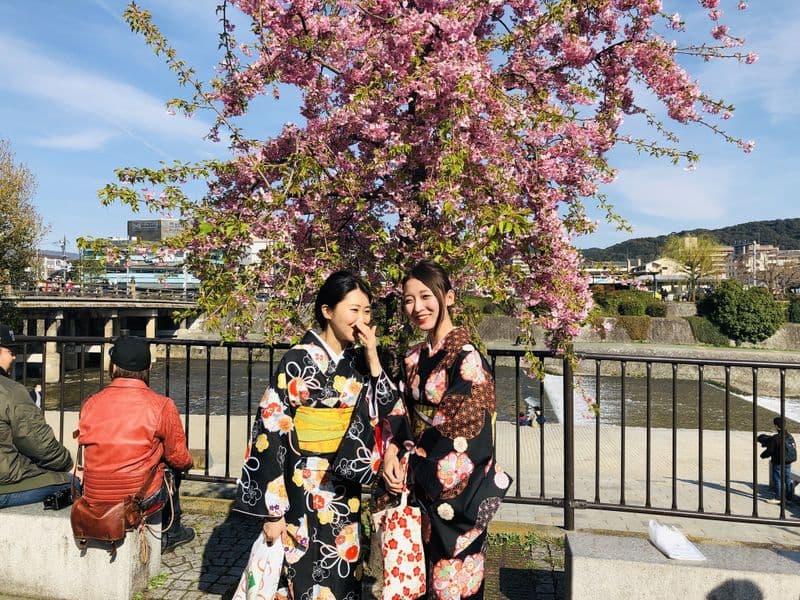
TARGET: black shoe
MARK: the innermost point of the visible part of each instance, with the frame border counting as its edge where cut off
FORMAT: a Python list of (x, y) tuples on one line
[(177, 536)]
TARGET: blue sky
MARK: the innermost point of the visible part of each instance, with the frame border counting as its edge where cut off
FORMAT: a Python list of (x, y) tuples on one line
[(80, 95)]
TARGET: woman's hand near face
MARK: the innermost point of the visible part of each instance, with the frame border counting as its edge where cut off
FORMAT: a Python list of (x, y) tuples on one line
[(366, 336)]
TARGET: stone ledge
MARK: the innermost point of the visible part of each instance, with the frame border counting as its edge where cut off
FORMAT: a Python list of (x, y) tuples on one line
[(42, 560), (628, 568)]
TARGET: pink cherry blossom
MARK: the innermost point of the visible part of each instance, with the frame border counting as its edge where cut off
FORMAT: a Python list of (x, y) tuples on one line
[(471, 132)]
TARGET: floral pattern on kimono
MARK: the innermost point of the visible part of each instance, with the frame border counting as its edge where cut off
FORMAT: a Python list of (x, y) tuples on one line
[(320, 502), (449, 394)]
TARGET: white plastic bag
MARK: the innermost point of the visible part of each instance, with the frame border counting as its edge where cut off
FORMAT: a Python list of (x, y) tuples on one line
[(260, 577), (672, 542)]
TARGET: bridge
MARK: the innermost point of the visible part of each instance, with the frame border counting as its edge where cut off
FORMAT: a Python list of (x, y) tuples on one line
[(67, 313)]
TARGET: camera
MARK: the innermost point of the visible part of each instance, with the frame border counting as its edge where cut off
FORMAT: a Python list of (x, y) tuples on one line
[(58, 500)]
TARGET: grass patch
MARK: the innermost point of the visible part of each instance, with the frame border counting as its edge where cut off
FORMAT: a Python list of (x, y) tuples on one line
[(525, 540), (157, 581), (637, 327)]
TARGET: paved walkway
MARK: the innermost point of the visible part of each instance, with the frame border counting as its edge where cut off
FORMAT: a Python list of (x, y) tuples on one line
[(740, 496), (522, 564)]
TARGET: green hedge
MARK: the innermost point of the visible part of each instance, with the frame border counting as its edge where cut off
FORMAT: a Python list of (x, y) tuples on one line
[(638, 327), (793, 315), (656, 309), (706, 332), (628, 303), (631, 307)]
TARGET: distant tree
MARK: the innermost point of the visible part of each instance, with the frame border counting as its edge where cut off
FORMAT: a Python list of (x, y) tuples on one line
[(744, 315), (695, 254), (781, 277), (468, 132), (88, 267), (21, 227)]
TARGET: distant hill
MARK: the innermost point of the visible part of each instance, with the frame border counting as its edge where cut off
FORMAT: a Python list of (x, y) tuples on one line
[(784, 233)]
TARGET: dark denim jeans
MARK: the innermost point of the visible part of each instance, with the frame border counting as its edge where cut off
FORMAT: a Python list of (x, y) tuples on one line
[(775, 477), (169, 512), (33, 496)]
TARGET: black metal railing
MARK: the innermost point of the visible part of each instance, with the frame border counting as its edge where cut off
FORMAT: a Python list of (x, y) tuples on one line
[(646, 410)]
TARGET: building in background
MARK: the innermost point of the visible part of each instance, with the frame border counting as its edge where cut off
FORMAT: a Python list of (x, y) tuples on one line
[(153, 230)]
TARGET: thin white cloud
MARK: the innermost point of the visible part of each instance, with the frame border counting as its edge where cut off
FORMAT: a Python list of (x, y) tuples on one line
[(773, 81), (28, 71), (671, 193), (83, 140), (111, 12)]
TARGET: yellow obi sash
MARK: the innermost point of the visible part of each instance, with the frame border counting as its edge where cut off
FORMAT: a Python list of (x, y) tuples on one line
[(321, 429)]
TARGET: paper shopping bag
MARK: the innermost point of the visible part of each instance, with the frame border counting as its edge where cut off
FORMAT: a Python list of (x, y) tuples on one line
[(260, 577), (403, 557)]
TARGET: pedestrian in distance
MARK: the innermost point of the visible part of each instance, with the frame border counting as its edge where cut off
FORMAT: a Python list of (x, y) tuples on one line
[(313, 445), (780, 475), (448, 390)]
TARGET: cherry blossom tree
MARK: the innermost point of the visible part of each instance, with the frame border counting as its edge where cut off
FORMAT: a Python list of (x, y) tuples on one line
[(470, 131)]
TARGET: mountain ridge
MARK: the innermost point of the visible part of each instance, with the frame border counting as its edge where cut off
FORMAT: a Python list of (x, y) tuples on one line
[(784, 233)]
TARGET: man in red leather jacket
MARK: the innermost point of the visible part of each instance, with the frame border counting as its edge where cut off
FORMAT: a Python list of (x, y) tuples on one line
[(128, 431)]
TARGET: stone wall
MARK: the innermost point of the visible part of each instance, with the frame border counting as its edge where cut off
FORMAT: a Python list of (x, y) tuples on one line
[(668, 331)]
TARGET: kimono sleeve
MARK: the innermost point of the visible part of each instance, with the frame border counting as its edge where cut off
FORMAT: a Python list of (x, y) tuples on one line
[(261, 490), (454, 467), (358, 457)]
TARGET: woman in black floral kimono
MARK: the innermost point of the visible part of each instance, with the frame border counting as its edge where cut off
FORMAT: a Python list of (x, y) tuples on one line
[(449, 394), (313, 445)]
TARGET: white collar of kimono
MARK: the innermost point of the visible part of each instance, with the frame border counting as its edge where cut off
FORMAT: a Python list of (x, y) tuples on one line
[(440, 344), (334, 357)]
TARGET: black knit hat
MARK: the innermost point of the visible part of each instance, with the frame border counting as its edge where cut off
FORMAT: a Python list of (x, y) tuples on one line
[(778, 421), (7, 338), (131, 353)]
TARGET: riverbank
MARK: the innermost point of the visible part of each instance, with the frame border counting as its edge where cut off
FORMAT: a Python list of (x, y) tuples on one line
[(741, 378)]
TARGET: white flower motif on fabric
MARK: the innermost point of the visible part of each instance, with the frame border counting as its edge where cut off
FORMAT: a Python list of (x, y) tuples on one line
[(472, 368), (501, 480), (446, 511), (468, 347)]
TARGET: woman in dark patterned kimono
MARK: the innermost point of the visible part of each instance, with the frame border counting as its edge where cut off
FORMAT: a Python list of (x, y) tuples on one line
[(313, 445), (449, 393)]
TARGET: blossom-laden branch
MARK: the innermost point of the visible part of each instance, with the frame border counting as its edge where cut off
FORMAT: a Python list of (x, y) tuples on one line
[(470, 132)]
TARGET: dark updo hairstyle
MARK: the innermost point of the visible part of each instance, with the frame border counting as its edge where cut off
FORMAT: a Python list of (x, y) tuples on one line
[(333, 291), (435, 278)]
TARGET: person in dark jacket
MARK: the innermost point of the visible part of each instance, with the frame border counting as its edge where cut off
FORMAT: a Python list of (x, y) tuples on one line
[(33, 464), (772, 445)]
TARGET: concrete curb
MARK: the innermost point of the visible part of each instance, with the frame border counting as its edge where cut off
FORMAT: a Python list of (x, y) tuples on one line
[(220, 506)]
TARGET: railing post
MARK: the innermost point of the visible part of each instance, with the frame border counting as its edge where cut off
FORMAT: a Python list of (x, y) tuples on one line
[(569, 448)]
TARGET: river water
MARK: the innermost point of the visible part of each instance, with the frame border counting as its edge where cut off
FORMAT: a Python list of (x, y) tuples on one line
[(212, 391)]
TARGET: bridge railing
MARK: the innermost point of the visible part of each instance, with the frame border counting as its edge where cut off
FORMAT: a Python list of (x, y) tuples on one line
[(652, 435), (100, 291)]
